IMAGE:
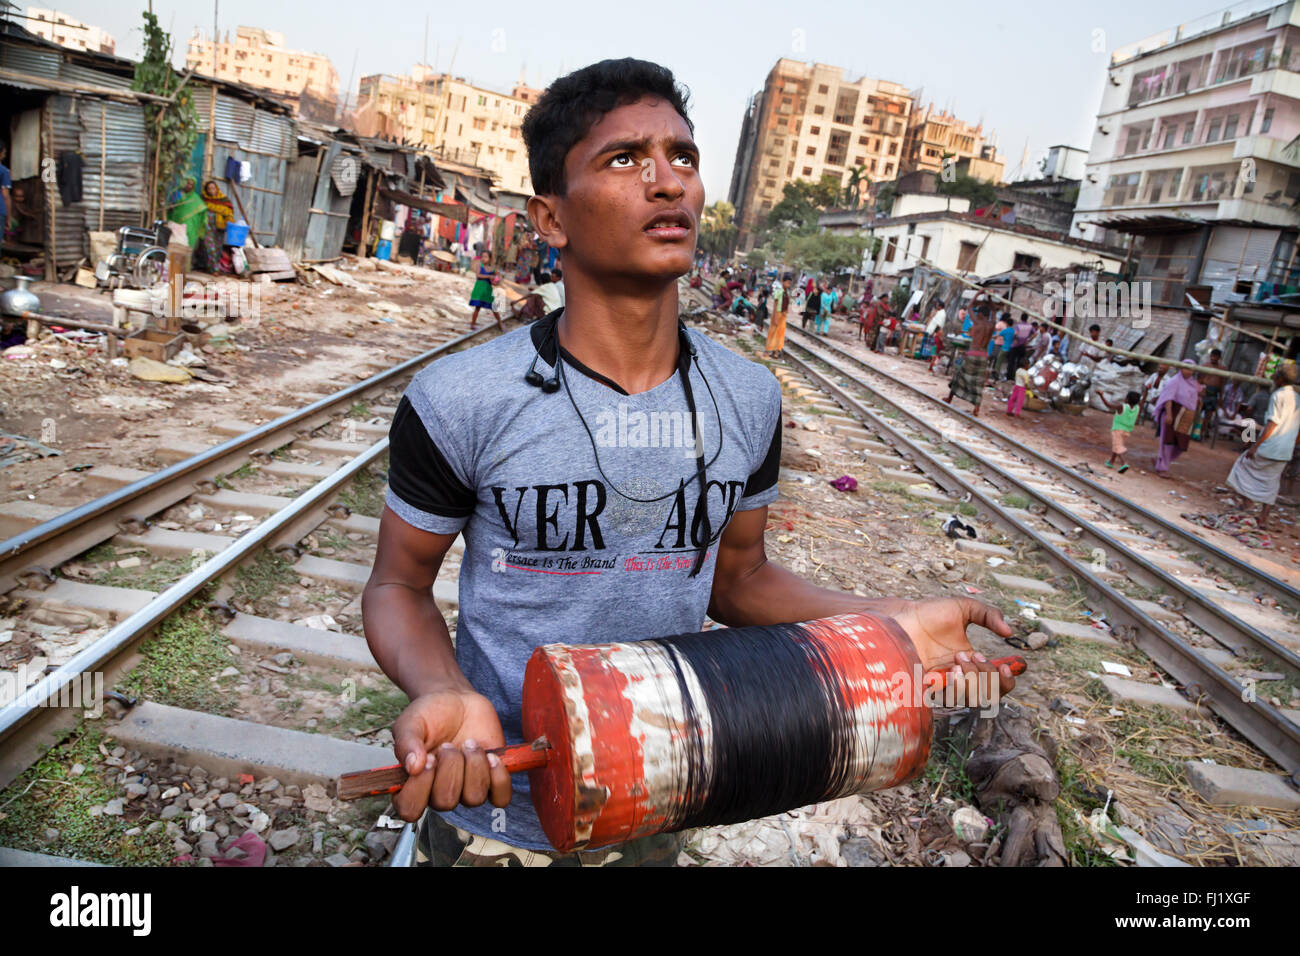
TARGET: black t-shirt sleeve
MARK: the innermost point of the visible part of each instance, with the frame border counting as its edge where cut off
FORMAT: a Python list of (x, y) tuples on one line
[(419, 474), (766, 475)]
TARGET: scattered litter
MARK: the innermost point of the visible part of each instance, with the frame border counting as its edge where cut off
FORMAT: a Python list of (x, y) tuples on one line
[(996, 562), (954, 527), (15, 449), (845, 483), (813, 452), (970, 825), (146, 369), (1029, 614), (1110, 667), (1077, 720), (252, 851), (1115, 712), (1032, 605)]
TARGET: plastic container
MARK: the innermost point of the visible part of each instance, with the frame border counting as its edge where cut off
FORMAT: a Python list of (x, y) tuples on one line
[(387, 229), (236, 234), (384, 250)]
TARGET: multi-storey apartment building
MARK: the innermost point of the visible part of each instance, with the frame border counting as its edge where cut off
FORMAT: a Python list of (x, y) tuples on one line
[(935, 135), (454, 118), (1194, 154), (810, 120), (58, 27), (259, 58)]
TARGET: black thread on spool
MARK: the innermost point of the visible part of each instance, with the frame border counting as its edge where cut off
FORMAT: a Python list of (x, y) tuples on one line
[(782, 724)]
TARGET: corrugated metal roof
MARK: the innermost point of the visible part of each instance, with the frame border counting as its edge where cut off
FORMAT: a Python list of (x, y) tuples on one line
[(32, 62)]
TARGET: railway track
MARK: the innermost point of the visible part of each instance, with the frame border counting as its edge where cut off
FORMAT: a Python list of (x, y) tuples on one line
[(1123, 555), (238, 543)]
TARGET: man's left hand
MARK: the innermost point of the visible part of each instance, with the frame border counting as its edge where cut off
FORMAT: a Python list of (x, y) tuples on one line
[(937, 628)]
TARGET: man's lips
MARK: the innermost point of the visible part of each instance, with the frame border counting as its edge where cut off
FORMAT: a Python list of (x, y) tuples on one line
[(669, 225)]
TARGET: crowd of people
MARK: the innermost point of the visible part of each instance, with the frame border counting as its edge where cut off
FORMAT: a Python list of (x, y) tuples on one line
[(985, 345)]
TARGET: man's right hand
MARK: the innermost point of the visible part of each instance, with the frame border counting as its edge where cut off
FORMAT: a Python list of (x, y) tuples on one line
[(442, 739)]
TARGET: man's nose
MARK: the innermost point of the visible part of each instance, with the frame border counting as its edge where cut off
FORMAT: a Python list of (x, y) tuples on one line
[(662, 179)]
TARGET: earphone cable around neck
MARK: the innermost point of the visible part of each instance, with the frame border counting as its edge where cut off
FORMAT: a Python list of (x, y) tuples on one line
[(699, 471)]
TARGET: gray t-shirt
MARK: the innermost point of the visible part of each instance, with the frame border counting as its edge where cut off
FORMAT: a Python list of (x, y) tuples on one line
[(555, 552)]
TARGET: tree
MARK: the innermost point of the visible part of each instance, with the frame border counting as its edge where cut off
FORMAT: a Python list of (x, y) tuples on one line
[(853, 188), (977, 191), (803, 201), (717, 230), (826, 251), (173, 127), (885, 197)]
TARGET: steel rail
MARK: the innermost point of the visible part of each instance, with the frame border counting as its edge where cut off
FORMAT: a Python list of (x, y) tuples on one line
[(1265, 726), (65, 535), (1276, 588), (1202, 610), (125, 633)]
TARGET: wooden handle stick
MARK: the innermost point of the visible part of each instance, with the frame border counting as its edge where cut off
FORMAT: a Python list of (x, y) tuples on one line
[(369, 783)]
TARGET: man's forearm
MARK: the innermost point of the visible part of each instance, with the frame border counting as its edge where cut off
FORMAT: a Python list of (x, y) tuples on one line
[(409, 639), (772, 594)]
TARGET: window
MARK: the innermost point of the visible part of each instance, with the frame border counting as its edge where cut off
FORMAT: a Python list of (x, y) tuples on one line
[(781, 122), (1212, 131), (891, 246), (819, 110), (1268, 120), (893, 148), (873, 165), (1162, 185), (1025, 262), (837, 151), (815, 131), (1121, 189), (482, 101), (1189, 128), (475, 146), (789, 169), (807, 170), (495, 126), (862, 141), (966, 257), (859, 160), (480, 123), (1230, 128), (889, 169), (823, 88), (811, 150), (510, 155), (770, 183)]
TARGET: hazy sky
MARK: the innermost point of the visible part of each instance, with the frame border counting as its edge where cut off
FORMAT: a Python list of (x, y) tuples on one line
[(1031, 72)]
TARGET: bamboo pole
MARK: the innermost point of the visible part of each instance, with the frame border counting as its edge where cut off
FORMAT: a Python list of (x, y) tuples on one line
[(51, 247), (103, 159), (1100, 346)]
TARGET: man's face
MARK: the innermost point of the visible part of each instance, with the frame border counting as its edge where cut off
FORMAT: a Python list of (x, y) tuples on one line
[(634, 197)]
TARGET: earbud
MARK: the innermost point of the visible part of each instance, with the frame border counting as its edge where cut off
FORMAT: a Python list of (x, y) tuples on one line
[(534, 377)]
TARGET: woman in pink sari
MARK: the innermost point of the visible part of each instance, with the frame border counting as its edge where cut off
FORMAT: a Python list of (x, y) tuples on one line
[(1175, 415)]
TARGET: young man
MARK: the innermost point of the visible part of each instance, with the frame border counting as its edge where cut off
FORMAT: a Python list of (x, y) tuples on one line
[(541, 485)]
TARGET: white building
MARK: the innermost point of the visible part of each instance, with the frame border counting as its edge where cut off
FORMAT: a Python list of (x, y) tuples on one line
[(1193, 154), (68, 31)]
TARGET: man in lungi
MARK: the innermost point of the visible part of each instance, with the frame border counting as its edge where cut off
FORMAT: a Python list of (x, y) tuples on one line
[(968, 380), (1257, 473)]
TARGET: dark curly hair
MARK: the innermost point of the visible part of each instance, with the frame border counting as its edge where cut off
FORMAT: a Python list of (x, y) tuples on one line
[(574, 103)]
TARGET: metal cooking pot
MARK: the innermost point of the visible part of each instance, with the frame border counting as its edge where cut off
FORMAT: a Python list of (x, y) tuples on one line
[(19, 300)]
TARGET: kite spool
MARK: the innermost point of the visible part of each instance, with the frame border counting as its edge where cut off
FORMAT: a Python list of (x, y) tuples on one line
[(713, 728)]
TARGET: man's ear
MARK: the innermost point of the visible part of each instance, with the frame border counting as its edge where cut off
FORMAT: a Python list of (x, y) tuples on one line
[(544, 215)]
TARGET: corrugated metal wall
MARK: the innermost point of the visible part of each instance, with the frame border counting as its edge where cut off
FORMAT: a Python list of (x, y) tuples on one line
[(300, 183), (1237, 252), (70, 242), (267, 141), (123, 132)]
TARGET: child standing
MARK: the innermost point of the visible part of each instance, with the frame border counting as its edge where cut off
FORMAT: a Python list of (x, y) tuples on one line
[(480, 296), (1016, 403), (1121, 426)]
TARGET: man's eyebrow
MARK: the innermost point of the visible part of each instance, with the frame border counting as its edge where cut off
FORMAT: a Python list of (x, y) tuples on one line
[(641, 145)]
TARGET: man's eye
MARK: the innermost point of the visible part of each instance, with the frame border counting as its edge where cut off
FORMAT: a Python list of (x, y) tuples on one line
[(685, 158), (623, 160)]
